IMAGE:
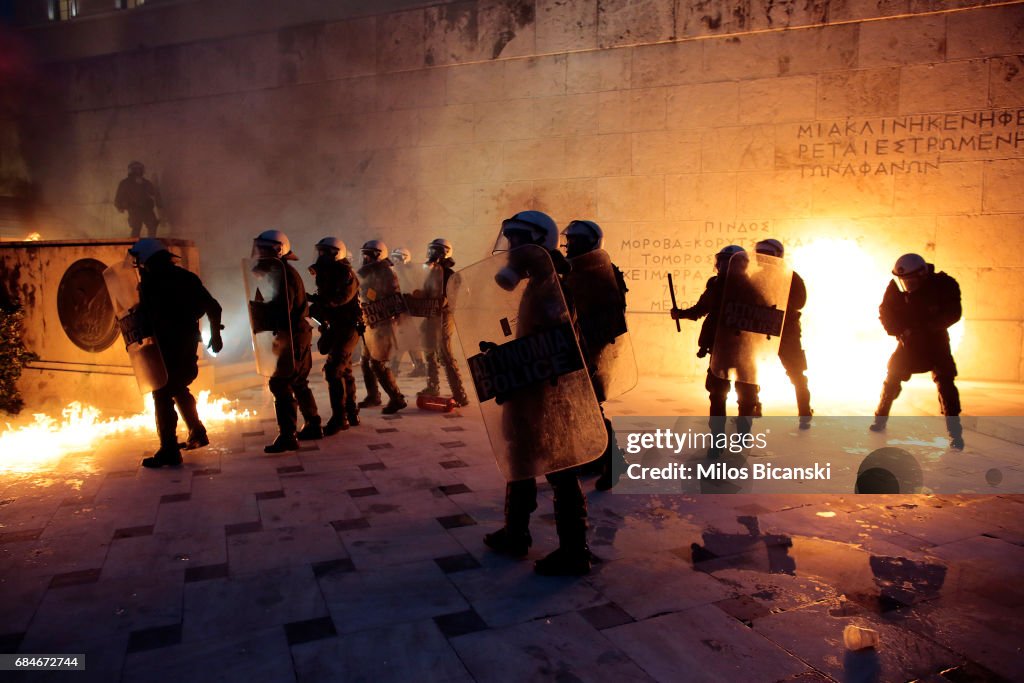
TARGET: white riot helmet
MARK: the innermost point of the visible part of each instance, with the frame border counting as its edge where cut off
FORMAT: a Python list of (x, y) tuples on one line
[(770, 247), (910, 271), (588, 230), (438, 249), (724, 257), (376, 249), (146, 248), (536, 227), (273, 244), (400, 256), (332, 246)]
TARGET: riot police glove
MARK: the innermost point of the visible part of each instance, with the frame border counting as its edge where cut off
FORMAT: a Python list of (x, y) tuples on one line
[(682, 314), (216, 342)]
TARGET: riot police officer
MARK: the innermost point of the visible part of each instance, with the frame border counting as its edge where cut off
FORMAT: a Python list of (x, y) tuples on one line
[(437, 330), (335, 305), (402, 258), (172, 300), (791, 351), (918, 307), (573, 555), (583, 237), (377, 285), (709, 307), (290, 385), (139, 197)]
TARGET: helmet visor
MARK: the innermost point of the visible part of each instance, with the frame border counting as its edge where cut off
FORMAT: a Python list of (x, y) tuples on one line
[(327, 250), (515, 233), (264, 249), (910, 282)]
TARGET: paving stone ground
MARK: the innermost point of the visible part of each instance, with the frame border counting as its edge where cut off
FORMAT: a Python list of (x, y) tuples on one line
[(360, 558)]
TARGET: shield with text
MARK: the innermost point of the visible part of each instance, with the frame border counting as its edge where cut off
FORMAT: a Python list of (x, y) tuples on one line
[(536, 397), (753, 311)]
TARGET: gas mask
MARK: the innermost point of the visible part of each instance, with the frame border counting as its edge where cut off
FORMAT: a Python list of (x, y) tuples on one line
[(514, 272)]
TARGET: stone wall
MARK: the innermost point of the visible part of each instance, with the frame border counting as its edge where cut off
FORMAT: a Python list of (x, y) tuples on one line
[(880, 126)]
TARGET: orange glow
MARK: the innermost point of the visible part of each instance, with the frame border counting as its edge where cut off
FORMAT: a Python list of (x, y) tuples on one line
[(847, 348), (41, 444), (33, 237)]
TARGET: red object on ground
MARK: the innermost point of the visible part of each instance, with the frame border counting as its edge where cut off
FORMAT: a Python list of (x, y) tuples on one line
[(442, 404)]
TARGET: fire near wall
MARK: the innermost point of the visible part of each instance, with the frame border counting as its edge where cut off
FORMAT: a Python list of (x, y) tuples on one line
[(852, 130)]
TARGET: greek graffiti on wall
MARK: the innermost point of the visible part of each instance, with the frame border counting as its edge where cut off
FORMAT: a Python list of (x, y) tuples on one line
[(647, 261)]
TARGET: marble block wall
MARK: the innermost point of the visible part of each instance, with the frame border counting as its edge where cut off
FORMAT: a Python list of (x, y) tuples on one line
[(851, 129)]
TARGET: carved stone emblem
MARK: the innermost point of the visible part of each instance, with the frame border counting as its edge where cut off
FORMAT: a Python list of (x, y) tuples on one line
[(84, 307)]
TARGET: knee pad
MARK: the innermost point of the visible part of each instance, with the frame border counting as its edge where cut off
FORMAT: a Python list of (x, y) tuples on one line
[(716, 385), (891, 388), (747, 397)]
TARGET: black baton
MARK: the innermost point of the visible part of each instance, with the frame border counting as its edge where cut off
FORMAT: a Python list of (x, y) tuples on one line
[(672, 291)]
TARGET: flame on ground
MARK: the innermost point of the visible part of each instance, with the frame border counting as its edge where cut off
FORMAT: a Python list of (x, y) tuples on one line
[(46, 440)]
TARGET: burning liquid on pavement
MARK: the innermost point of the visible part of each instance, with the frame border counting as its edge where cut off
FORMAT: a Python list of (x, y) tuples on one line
[(41, 444)]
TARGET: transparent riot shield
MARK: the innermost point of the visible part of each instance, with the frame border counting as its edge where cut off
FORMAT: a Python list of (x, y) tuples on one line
[(423, 288), (601, 314), (750, 322), (413, 279), (266, 288), (122, 280), (536, 397), (380, 296)]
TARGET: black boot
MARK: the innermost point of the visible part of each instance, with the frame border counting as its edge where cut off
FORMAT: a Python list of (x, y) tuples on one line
[(890, 392), (565, 562), (372, 390), (956, 432), (433, 368), (514, 538), (196, 439), (336, 394), (167, 456), (451, 370), (310, 431), (394, 405), (351, 409), (186, 403), (803, 400), (336, 424), (573, 556), (396, 401), (282, 443), (511, 543)]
